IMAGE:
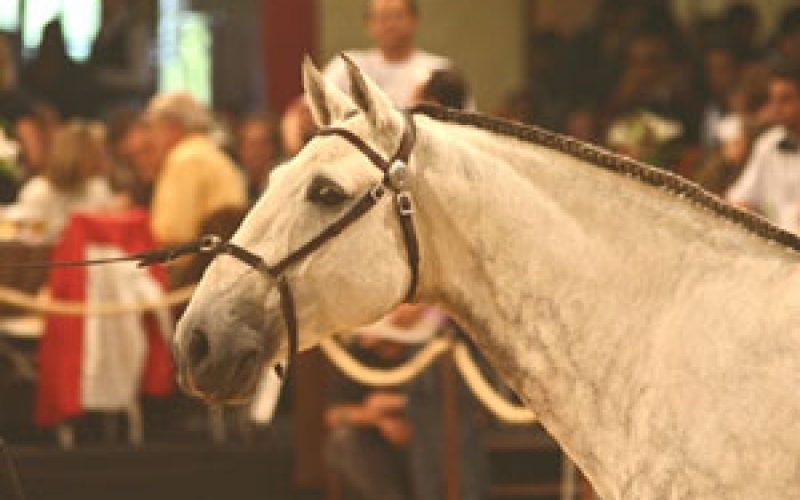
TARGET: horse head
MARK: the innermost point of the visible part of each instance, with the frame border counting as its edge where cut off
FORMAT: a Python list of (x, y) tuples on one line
[(236, 323)]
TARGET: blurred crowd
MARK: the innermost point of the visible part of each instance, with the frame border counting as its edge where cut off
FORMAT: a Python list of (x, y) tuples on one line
[(692, 99)]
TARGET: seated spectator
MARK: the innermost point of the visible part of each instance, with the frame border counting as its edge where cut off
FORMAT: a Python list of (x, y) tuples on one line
[(741, 22), (770, 183), (748, 116), (135, 157), (445, 87), (73, 179), (721, 69), (369, 429), (257, 149), (196, 178), (654, 80)]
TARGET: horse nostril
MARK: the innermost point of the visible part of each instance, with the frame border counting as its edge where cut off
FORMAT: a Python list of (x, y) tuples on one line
[(199, 349)]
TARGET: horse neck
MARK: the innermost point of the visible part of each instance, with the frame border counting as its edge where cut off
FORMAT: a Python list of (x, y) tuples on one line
[(546, 263)]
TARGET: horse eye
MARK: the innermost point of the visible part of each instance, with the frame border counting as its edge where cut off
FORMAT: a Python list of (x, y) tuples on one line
[(324, 191)]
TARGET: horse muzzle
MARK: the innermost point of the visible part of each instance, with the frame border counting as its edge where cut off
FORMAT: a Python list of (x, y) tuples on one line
[(220, 370)]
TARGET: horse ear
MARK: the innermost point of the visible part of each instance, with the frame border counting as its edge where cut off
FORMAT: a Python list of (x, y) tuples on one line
[(328, 103), (375, 104)]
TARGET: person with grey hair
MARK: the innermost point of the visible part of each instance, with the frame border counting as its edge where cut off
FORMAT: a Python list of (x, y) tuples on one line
[(195, 178)]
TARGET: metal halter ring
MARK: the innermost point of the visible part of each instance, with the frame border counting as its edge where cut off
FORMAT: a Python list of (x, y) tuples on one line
[(377, 191), (210, 243), (398, 174)]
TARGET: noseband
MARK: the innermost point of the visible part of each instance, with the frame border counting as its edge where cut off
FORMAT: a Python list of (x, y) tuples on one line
[(395, 179)]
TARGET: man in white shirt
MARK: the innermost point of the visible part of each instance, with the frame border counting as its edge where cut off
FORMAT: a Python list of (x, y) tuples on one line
[(770, 183), (395, 64)]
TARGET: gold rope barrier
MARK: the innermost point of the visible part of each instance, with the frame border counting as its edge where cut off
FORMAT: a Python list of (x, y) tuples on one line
[(380, 377), (484, 392), (42, 305)]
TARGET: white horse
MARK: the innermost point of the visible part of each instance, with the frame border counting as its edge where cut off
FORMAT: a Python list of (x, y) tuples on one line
[(653, 329)]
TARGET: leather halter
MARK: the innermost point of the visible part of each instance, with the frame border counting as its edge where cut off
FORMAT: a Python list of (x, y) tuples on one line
[(395, 179)]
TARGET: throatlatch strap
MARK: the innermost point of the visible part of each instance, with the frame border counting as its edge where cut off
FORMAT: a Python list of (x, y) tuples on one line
[(412, 250)]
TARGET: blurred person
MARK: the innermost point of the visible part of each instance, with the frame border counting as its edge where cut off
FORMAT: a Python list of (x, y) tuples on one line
[(120, 60), (445, 87), (749, 114), (543, 100), (770, 183), (653, 80), (396, 65), (257, 150), (18, 119), (721, 68), (135, 151), (651, 114), (741, 23), (195, 178), (54, 78), (296, 126), (369, 430), (49, 121), (73, 179), (704, 31), (596, 55)]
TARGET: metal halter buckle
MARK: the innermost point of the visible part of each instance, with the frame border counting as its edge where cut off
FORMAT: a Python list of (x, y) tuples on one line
[(398, 174), (210, 243), (376, 192), (405, 204)]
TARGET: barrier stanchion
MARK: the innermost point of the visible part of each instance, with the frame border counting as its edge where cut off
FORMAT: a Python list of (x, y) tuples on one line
[(450, 416)]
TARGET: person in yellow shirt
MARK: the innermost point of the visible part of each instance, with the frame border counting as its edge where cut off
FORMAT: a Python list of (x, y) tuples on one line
[(196, 179)]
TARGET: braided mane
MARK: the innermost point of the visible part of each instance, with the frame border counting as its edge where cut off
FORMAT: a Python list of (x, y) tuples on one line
[(601, 158)]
